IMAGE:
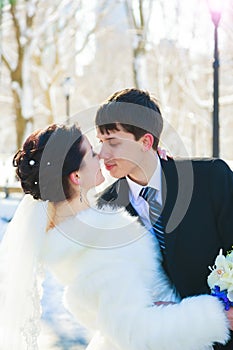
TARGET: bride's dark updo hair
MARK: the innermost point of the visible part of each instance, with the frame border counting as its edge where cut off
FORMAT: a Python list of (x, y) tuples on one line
[(47, 158)]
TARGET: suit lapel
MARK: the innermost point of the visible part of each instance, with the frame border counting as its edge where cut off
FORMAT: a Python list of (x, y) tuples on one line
[(120, 196), (169, 188), (123, 197), (169, 195)]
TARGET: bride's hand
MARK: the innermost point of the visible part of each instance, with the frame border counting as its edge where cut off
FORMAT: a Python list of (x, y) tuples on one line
[(229, 314)]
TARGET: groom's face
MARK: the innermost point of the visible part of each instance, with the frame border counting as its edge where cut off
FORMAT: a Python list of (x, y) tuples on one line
[(121, 153)]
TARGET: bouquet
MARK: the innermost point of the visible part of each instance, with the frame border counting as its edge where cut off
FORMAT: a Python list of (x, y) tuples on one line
[(220, 279)]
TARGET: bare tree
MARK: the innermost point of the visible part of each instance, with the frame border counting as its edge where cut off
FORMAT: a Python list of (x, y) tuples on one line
[(15, 62), (138, 14), (39, 49)]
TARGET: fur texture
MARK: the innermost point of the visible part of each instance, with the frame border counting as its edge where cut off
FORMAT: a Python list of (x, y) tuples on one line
[(112, 269)]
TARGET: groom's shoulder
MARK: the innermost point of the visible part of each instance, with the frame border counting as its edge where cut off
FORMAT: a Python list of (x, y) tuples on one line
[(199, 162), (203, 166)]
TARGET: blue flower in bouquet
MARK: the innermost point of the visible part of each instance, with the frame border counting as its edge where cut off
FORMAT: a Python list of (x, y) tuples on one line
[(222, 295), (220, 279)]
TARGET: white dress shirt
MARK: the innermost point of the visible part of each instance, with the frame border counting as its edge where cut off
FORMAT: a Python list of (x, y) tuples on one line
[(139, 204)]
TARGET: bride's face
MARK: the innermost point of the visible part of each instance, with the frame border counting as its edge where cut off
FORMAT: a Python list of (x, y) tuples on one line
[(89, 172)]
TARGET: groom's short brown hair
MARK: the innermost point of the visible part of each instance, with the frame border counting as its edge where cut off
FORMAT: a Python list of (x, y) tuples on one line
[(136, 111)]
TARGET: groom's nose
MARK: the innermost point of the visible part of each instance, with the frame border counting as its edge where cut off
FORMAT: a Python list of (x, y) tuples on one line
[(104, 152)]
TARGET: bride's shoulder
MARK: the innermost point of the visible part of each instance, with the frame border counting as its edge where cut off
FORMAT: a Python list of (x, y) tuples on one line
[(108, 227), (108, 216)]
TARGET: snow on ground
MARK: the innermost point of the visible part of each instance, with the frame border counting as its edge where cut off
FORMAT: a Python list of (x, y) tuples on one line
[(59, 330)]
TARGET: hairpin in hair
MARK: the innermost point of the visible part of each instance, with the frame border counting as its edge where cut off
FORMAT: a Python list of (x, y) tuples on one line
[(32, 162)]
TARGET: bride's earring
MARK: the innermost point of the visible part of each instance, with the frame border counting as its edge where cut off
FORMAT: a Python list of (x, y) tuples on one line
[(80, 195), (75, 179)]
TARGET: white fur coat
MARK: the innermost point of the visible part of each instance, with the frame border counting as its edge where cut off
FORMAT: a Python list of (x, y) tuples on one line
[(112, 269)]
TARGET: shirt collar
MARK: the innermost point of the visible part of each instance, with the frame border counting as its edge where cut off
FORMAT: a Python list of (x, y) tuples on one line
[(155, 181)]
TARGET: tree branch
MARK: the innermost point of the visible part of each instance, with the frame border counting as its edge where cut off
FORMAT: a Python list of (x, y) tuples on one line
[(130, 15), (93, 30), (7, 64), (16, 25)]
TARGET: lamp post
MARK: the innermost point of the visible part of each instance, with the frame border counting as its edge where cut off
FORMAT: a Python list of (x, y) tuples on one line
[(67, 87), (215, 7)]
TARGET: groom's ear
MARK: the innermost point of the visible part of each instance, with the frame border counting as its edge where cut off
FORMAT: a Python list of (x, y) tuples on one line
[(74, 178), (147, 141)]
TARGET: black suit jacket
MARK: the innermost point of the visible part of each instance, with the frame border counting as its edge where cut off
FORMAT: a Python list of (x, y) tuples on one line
[(197, 215)]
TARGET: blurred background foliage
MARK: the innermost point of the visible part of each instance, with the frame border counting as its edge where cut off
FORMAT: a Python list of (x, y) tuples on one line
[(163, 46)]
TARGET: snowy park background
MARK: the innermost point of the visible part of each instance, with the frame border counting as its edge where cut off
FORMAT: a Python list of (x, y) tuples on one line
[(163, 46)]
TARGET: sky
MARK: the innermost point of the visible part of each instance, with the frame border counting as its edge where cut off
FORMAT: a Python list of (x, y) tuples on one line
[(194, 17)]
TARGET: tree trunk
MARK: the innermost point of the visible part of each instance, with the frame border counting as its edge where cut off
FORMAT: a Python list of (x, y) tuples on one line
[(20, 121), (139, 74)]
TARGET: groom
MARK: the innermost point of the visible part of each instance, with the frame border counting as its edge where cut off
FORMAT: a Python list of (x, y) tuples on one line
[(192, 200)]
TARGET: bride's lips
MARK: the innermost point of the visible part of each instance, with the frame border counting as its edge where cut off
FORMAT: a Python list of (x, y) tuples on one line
[(109, 166)]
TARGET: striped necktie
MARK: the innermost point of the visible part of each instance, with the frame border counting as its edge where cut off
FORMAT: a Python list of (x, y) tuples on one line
[(148, 193)]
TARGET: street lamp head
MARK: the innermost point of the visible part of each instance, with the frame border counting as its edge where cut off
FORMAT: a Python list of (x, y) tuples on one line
[(215, 8), (67, 86)]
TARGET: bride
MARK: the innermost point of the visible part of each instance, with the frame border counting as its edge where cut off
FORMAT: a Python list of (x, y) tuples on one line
[(109, 264)]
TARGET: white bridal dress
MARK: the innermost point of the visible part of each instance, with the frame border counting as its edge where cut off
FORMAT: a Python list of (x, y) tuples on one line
[(111, 268)]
